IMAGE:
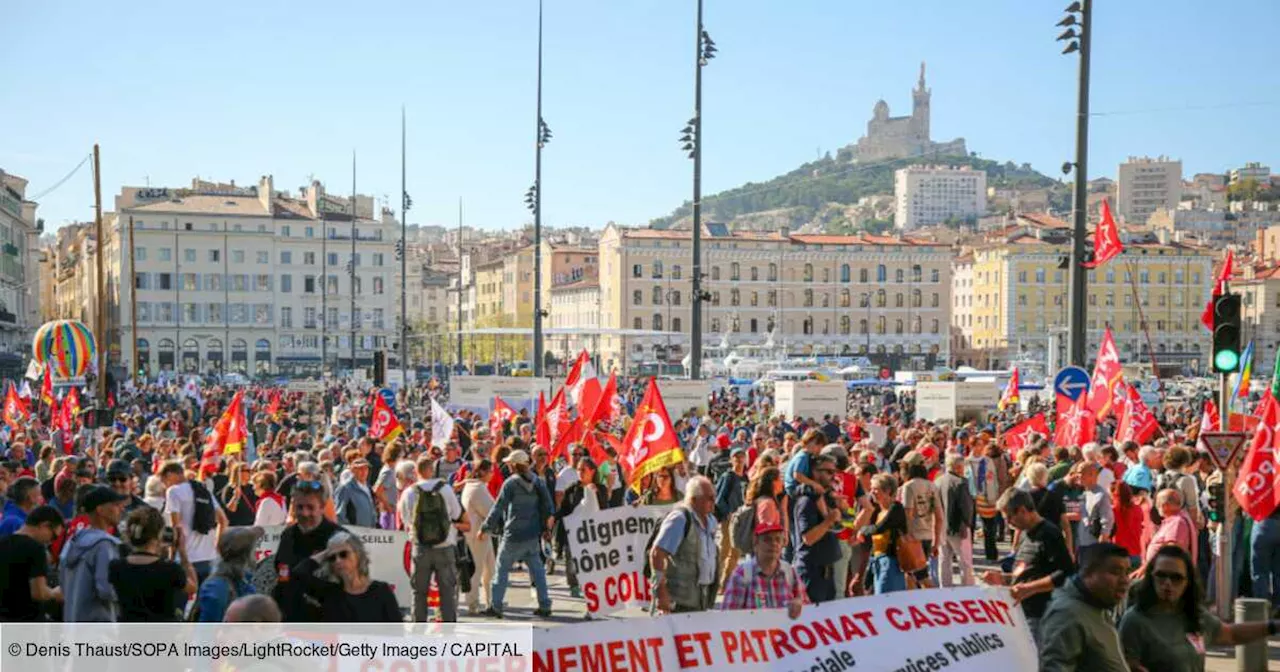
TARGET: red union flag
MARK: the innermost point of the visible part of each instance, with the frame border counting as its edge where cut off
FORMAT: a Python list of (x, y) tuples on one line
[(1219, 288), (1010, 396), (384, 425), (1106, 239), (1255, 487), (1017, 438), (651, 443), (1209, 421), (501, 415), (1076, 427), (1104, 388), (1137, 423), (228, 434), (15, 410)]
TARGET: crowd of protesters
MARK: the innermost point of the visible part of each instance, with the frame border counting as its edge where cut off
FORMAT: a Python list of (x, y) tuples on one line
[(135, 523)]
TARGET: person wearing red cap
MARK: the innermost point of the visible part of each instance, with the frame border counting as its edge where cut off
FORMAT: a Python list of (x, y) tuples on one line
[(764, 580)]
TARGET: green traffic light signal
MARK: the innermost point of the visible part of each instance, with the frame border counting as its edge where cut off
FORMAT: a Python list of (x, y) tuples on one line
[(1226, 360)]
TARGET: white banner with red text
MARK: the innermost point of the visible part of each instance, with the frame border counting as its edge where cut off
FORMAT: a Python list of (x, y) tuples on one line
[(390, 556), (974, 629), (608, 550)]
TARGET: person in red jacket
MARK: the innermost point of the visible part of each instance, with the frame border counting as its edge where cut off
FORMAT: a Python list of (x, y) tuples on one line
[(1129, 521)]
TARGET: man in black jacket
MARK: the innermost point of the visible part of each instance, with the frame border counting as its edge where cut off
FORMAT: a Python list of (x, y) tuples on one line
[(298, 542), (730, 496)]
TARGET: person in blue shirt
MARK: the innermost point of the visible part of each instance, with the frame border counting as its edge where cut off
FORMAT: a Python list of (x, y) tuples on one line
[(23, 496), (799, 469), (231, 579)]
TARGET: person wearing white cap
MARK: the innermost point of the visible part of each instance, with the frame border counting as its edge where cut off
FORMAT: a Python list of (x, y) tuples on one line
[(523, 513)]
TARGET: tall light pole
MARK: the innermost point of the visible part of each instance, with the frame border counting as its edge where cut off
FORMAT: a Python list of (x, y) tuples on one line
[(461, 285), (1079, 14), (405, 204), (353, 263), (691, 137), (533, 199)]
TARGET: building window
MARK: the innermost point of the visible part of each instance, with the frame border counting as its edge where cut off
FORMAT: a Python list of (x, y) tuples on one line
[(897, 326), (164, 281), (286, 257), (637, 297), (675, 297), (882, 273), (881, 299), (935, 276), (773, 272), (917, 273), (286, 317), (264, 257), (284, 231), (142, 281), (899, 276), (377, 285), (309, 258), (657, 270), (773, 297), (936, 326), (189, 255), (379, 259), (140, 253), (937, 300), (808, 272), (286, 283), (637, 324), (333, 258), (657, 321), (675, 324), (897, 300), (657, 296), (676, 274), (237, 256), (735, 271), (755, 274), (637, 271), (715, 272), (309, 284)]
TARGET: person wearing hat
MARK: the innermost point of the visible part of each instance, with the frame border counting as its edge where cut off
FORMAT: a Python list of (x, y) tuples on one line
[(86, 559), (352, 500), (522, 515), (121, 479), (764, 580)]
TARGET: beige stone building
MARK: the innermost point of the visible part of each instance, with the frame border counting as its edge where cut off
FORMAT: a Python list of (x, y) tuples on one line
[(1144, 185), (20, 282), (884, 296)]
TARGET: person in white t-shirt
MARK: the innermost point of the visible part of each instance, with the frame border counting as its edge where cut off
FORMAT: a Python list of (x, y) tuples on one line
[(271, 508), (568, 474), (180, 504)]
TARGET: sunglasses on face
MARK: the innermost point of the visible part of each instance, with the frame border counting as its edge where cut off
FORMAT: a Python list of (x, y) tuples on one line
[(340, 555), (308, 486), (1171, 577)]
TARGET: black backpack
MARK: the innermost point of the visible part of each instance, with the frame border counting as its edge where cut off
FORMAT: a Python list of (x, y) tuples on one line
[(204, 518)]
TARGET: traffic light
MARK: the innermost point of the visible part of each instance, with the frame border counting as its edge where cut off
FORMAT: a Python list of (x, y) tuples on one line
[(379, 368), (1226, 333)]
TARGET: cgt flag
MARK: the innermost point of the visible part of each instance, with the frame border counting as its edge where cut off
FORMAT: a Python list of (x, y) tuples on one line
[(1010, 397), (15, 409), (228, 434), (1106, 239), (498, 419), (651, 443), (1076, 427), (1137, 424), (1255, 487), (384, 425)]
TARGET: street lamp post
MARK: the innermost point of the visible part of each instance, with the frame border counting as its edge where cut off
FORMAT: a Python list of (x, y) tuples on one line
[(704, 51), (533, 199), (866, 299), (405, 204), (1079, 14)]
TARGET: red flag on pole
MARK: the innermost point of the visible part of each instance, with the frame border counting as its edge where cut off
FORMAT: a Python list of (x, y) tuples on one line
[(273, 408), (384, 425), (228, 434), (46, 387), (1010, 397), (541, 435), (1106, 239), (499, 417), (651, 443), (15, 409), (1256, 489), (1017, 438), (1209, 420), (1107, 375), (1137, 423), (1219, 288), (1077, 426)]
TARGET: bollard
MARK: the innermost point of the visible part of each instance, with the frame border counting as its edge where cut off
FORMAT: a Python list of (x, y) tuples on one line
[(1252, 657)]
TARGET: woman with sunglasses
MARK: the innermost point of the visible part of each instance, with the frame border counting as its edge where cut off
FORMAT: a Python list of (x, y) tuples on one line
[(1167, 628), (662, 489), (338, 578)]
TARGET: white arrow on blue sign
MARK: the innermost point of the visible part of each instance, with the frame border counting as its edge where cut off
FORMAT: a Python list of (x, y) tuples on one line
[(1071, 382)]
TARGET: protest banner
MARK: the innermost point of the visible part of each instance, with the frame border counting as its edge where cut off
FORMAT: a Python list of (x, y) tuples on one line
[(960, 629), (607, 548), (389, 556)]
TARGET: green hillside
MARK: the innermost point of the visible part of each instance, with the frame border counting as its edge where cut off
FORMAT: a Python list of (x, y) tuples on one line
[(811, 190)]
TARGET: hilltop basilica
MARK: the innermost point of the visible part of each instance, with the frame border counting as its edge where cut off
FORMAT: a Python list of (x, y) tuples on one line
[(903, 137)]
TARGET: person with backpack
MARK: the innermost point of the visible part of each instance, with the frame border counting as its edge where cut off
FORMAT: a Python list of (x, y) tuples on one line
[(231, 578), (731, 490), (430, 510), (957, 513), (683, 556), (192, 507), (522, 515), (86, 558)]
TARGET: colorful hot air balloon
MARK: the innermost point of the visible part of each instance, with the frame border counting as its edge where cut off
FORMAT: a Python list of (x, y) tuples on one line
[(66, 346)]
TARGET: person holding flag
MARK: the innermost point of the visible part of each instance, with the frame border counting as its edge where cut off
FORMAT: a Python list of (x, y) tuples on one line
[(1010, 397)]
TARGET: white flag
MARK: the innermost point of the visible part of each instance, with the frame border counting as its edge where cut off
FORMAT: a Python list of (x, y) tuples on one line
[(441, 425), (34, 369)]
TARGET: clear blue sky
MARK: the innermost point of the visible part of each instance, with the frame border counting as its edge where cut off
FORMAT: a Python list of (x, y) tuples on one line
[(237, 89)]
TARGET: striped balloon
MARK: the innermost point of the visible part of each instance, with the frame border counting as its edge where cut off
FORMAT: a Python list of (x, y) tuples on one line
[(66, 346)]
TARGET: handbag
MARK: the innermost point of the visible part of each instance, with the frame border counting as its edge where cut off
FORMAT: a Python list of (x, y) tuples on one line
[(910, 554), (466, 566)]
